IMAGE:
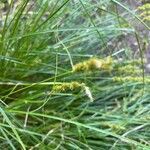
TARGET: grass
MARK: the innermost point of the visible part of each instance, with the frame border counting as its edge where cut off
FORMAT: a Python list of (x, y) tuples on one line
[(65, 83)]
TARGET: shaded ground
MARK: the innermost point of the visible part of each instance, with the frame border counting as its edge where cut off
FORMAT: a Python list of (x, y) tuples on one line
[(144, 33)]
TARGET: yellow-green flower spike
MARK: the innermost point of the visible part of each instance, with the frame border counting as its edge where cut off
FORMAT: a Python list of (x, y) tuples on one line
[(73, 87), (131, 79), (93, 64), (145, 11)]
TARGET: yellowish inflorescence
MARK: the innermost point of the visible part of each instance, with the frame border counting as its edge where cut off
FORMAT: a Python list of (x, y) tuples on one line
[(74, 87), (94, 64), (134, 62), (131, 79), (125, 72), (129, 69), (145, 11), (107, 64)]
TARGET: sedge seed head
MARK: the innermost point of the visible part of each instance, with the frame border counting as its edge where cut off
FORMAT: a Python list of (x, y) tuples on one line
[(64, 87), (93, 64)]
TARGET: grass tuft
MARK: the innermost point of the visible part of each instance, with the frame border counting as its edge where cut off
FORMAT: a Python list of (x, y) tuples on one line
[(69, 78)]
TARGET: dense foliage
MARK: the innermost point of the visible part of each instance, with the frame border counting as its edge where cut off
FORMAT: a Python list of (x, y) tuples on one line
[(69, 78)]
